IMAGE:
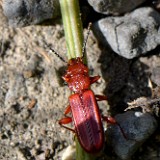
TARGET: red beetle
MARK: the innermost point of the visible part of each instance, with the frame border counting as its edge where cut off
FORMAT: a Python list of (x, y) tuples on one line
[(83, 105)]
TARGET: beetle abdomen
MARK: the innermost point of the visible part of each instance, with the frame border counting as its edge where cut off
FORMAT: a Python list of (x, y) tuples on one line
[(87, 120)]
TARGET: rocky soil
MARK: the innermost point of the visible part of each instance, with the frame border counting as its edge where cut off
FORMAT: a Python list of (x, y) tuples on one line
[(33, 96)]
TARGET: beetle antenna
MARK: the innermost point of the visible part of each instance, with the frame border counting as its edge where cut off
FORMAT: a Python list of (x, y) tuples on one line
[(53, 51), (85, 41)]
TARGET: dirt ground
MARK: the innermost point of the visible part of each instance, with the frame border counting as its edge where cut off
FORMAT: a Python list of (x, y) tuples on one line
[(33, 96)]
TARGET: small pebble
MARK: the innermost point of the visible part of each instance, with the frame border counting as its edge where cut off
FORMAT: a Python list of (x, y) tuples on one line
[(131, 35), (137, 127), (114, 7), (22, 13)]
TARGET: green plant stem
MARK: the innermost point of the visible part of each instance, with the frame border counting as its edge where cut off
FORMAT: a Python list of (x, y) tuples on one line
[(74, 41), (81, 154), (72, 27)]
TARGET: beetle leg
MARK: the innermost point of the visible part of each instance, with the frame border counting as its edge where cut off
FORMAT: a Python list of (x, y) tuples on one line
[(66, 120), (67, 110), (94, 79), (111, 120), (100, 97)]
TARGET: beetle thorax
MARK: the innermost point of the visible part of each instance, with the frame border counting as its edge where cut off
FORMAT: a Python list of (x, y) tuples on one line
[(77, 76)]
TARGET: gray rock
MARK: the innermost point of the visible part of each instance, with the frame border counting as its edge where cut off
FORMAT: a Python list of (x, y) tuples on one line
[(156, 75), (27, 12), (131, 35), (137, 127), (114, 7)]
